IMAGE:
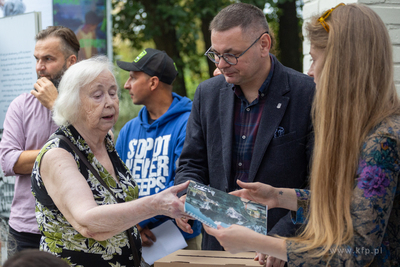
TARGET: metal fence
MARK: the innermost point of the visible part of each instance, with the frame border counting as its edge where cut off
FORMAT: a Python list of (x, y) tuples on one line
[(3, 241), (6, 191), (6, 197), (6, 194)]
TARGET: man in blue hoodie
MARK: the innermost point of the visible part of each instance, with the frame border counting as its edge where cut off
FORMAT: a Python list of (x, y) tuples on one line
[(151, 143)]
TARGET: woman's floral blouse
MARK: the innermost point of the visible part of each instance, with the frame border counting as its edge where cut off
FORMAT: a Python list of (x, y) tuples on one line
[(58, 235), (375, 206)]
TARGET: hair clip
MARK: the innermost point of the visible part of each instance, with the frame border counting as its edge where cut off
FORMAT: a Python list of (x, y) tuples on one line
[(326, 15)]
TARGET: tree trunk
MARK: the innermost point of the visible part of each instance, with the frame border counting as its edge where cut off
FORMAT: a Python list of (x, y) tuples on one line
[(171, 49), (289, 36), (167, 41), (205, 23)]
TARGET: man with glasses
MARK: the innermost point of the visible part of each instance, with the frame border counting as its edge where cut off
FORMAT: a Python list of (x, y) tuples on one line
[(253, 122)]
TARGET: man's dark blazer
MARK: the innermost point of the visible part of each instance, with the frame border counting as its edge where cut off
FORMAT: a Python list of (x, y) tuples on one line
[(281, 162)]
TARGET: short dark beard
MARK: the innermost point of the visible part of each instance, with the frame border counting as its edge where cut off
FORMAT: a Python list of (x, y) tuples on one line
[(56, 79)]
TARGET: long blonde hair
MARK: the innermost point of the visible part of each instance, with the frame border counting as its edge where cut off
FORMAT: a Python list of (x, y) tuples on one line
[(355, 92)]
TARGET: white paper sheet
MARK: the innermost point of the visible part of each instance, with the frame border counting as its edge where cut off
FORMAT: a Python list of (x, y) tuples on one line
[(169, 239)]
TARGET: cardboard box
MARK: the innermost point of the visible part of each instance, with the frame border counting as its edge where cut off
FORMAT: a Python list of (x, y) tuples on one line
[(202, 258)]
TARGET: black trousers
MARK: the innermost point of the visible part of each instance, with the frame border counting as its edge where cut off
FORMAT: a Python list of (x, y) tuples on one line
[(18, 241)]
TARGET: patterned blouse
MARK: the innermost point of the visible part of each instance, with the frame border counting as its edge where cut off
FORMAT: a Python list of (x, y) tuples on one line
[(58, 235), (375, 206)]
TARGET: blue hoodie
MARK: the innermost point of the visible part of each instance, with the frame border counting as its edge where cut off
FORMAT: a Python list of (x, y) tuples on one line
[(151, 151)]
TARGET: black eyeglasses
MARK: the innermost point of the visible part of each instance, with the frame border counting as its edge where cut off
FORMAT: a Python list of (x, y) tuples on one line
[(231, 59)]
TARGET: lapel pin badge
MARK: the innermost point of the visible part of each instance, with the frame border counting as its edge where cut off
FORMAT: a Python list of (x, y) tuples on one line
[(279, 105)]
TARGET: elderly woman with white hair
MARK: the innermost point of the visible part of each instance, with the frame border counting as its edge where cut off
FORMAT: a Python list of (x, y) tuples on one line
[(86, 199)]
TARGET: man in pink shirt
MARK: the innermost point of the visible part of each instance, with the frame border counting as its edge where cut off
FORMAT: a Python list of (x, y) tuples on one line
[(27, 126)]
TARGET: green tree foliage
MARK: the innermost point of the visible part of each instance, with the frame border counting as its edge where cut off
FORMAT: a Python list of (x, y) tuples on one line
[(168, 23), (127, 110), (180, 27)]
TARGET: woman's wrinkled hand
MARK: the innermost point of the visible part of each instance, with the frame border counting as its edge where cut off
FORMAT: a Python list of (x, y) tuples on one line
[(183, 222), (167, 203)]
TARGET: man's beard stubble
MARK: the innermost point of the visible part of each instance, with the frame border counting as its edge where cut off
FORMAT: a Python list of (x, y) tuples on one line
[(55, 79)]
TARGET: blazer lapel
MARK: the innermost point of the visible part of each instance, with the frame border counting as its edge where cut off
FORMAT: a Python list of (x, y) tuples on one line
[(270, 119), (273, 112), (226, 116)]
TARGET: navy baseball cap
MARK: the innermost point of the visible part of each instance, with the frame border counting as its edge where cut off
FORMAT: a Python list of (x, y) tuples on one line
[(153, 62)]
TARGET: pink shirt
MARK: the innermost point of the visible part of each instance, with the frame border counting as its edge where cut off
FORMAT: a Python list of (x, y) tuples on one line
[(27, 126)]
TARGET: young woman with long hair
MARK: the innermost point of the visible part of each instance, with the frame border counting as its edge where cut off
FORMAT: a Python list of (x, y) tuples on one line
[(352, 216)]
